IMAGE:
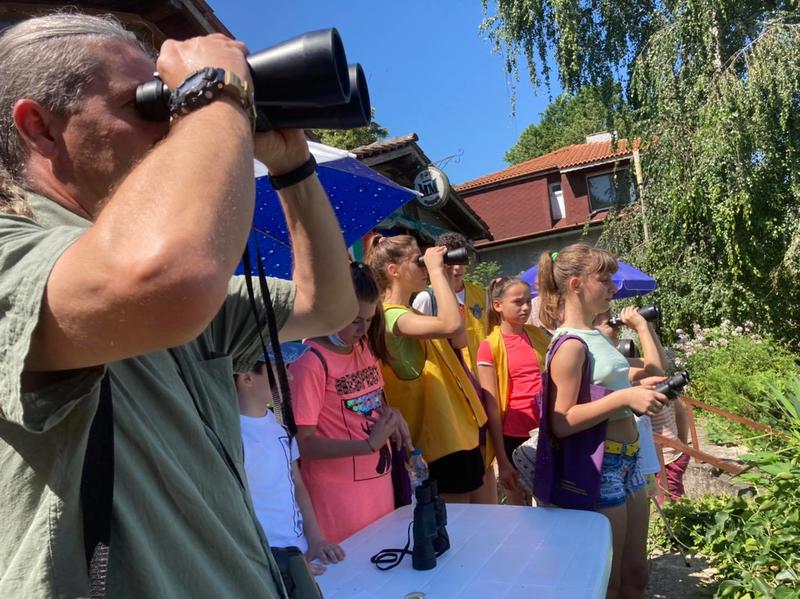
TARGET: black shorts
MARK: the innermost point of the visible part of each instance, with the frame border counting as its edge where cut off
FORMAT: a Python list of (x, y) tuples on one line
[(459, 472), (510, 444)]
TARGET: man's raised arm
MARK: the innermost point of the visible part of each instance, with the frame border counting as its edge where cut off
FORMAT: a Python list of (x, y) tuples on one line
[(153, 268), (325, 301)]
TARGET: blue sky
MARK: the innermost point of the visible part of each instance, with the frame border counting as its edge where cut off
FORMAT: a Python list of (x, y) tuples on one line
[(428, 68)]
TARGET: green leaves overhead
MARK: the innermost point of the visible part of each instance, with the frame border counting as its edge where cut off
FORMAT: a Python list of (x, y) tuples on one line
[(713, 88), (568, 120)]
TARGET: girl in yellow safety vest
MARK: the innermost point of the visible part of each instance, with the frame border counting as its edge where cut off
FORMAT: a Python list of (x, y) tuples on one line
[(423, 377), (510, 363)]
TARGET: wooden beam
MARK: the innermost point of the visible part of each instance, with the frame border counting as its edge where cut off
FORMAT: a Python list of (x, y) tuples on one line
[(662, 441), (752, 424)]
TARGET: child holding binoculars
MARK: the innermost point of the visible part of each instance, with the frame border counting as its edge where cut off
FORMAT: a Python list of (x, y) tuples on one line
[(575, 285), (423, 376)]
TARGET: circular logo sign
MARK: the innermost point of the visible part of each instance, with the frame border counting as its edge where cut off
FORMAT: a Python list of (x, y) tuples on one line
[(432, 183)]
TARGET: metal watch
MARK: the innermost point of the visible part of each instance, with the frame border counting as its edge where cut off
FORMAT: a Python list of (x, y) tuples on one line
[(206, 85)]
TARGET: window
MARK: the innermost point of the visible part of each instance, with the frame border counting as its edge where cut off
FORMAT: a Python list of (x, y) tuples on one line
[(557, 201), (610, 189)]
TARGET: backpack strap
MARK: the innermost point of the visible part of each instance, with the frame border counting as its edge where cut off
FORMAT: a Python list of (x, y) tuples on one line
[(434, 307), (558, 342), (568, 469), (319, 355), (97, 491)]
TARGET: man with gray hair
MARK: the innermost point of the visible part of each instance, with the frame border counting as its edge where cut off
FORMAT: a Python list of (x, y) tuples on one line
[(118, 238)]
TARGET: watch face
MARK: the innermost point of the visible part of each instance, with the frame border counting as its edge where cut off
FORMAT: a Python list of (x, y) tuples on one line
[(195, 81)]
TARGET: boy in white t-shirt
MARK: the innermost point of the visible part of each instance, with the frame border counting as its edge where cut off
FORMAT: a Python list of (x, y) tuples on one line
[(280, 499)]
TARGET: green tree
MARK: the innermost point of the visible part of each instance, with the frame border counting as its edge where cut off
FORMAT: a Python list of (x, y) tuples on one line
[(568, 120), (348, 139), (714, 90), (483, 273)]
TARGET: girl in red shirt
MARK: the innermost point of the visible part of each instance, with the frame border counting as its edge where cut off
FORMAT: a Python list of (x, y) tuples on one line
[(510, 361)]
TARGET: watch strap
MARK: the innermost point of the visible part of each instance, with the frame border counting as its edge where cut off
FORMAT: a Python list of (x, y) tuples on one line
[(294, 176)]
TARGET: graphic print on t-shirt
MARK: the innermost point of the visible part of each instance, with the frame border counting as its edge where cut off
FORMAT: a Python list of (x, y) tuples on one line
[(297, 517), (359, 399)]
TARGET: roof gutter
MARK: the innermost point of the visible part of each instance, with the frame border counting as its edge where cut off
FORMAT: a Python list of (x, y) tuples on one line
[(519, 239)]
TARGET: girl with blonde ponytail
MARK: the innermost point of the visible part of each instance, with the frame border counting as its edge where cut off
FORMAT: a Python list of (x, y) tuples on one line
[(575, 284), (423, 377)]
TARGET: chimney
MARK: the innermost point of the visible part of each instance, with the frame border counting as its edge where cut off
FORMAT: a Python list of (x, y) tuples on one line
[(596, 138)]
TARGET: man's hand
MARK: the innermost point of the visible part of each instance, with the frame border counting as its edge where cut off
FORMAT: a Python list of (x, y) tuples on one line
[(177, 59), (282, 150)]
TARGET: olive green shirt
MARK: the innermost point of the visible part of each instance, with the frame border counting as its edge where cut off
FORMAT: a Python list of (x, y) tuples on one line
[(406, 354), (182, 524)]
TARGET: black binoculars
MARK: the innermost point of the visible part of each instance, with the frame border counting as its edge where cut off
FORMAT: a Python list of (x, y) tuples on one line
[(674, 384), (456, 256), (430, 533), (649, 313), (302, 83)]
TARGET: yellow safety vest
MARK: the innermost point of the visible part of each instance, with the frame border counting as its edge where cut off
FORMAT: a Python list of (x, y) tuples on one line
[(538, 340), (441, 406), (476, 324)]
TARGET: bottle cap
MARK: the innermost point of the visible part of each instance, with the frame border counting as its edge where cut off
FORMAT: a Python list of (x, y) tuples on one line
[(416, 452)]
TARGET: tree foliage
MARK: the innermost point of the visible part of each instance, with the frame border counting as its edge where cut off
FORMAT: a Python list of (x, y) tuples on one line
[(483, 273), (568, 120), (352, 138), (714, 88)]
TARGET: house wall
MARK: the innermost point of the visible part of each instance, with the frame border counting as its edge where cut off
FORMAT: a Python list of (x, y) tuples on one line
[(517, 257), (523, 208)]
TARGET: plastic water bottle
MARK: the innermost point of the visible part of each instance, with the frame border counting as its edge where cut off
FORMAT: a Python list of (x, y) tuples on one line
[(417, 472)]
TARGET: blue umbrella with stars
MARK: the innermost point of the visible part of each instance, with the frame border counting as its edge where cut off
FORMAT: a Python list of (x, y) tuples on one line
[(360, 196)]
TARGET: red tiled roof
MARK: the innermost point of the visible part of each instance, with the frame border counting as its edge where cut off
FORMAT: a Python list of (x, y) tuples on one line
[(386, 145), (563, 158)]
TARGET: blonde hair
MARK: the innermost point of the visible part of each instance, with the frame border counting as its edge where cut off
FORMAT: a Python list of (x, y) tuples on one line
[(556, 268), (497, 290), (383, 251)]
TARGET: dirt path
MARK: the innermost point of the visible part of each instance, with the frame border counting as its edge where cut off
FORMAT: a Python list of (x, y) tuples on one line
[(670, 577)]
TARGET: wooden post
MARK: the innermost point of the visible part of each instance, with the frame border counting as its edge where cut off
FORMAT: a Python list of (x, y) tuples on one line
[(637, 169)]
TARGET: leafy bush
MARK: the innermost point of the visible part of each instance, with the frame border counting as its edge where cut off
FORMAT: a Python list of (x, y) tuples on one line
[(740, 371), (754, 542)]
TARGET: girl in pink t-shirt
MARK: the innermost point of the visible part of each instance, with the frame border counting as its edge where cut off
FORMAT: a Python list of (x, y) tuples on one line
[(343, 425), (509, 371)]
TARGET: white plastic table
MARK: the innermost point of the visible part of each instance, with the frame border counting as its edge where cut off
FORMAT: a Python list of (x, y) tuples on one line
[(497, 552)]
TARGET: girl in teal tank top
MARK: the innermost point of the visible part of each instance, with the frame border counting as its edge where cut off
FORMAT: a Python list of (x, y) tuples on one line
[(575, 284)]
